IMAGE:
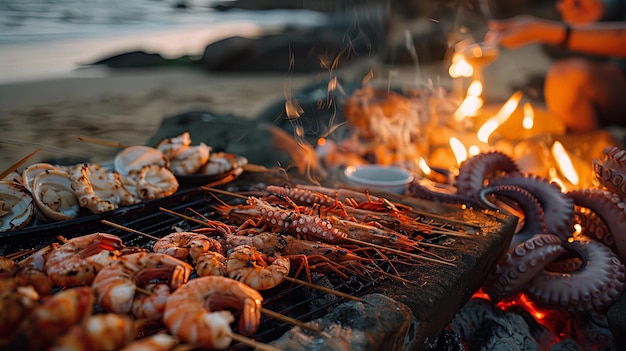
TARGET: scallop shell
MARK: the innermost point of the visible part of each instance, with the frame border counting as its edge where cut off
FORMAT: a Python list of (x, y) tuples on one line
[(32, 171), (99, 189), (54, 197), (134, 158), (16, 206)]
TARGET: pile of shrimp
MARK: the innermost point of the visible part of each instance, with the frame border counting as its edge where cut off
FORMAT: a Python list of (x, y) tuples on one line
[(196, 287)]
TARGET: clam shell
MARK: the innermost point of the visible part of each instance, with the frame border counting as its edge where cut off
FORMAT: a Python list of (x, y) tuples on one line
[(154, 182), (54, 196), (30, 172), (134, 158), (16, 206)]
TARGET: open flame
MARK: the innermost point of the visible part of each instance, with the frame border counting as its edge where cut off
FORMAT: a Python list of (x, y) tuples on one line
[(564, 162), (529, 116), (502, 116), (472, 103), (460, 153), (460, 67)]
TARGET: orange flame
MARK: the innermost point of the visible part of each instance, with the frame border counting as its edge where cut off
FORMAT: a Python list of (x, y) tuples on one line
[(529, 116), (472, 103), (460, 153), (564, 163), (502, 116), (460, 67)]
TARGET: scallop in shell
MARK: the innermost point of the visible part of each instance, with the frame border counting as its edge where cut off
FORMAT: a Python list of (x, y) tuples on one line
[(154, 182), (30, 172), (133, 158), (54, 197), (16, 206)]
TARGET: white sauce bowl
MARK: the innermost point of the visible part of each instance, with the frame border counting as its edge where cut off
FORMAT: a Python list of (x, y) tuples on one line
[(377, 178)]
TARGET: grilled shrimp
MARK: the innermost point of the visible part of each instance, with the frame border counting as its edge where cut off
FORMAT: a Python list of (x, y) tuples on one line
[(78, 260), (211, 263), (184, 244), (32, 271), (15, 304), (54, 317), (104, 331), (155, 342), (249, 266), (7, 265), (186, 317), (116, 284), (151, 306)]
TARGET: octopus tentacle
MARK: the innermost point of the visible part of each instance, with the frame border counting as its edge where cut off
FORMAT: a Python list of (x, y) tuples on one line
[(596, 285), (610, 208), (521, 264), (558, 208), (593, 225), (610, 170), (475, 171), (436, 192), (534, 218)]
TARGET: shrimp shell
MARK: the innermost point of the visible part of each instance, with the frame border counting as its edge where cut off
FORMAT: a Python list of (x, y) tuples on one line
[(183, 244), (115, 285), (155, 342), (151, 306), (186, 317), (211, 263), (104, 331), (247, 265), (78, 260)]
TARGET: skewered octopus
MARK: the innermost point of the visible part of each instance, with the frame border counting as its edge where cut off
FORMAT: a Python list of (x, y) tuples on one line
[(557, 266)]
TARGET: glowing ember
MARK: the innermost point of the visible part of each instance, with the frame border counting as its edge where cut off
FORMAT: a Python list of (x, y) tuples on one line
[(564, 163), (460, 67)]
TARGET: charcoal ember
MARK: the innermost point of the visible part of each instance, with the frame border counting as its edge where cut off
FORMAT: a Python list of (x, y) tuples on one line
[(506, 333), (447, 341), (380, 323), (471, 317)]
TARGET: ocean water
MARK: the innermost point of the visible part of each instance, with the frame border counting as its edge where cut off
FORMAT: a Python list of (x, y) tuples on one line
[(50, 38)]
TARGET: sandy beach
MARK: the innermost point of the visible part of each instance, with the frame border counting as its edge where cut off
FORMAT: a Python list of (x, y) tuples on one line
[(125, 107)]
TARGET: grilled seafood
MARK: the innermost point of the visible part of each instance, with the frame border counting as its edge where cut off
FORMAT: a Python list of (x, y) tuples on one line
[(16, 206), (154, 182), (155, 342), (133, 158), (77, 261), (116, 284), (249, 266), (191, 311), (32, 271), (151, 306), (170, 147), (104, 331), (190, 160), (54, 197), (15, 304), (211, 263), (53, 317), (184, 244), (99, 189)]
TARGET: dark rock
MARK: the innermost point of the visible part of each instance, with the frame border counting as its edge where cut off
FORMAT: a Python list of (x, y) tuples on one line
[(380, 323), (141, 59), (325, 47)]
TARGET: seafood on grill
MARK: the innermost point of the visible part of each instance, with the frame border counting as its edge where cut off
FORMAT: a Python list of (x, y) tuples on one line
[(102, 331), (116, 284), (77, 261), (53, 317), (133, 158), (98, 189), (193, 313), (17, 206), (54, 196), (16, 304), (186, 244), (155, 342), (32, 271), (251, 267)]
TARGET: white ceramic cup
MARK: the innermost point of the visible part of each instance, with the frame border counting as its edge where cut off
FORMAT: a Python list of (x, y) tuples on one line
[(377, 178)]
